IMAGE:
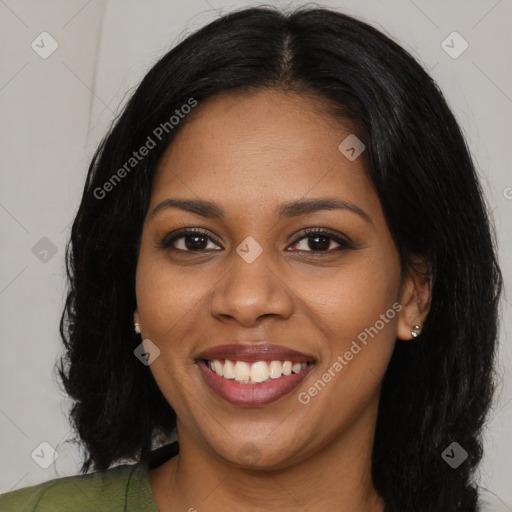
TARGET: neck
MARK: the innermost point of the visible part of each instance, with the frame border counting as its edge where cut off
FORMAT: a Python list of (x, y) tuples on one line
[(335, 478)]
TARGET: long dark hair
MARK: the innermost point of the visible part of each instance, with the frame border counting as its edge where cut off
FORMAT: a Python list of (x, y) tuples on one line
[(438, 388)]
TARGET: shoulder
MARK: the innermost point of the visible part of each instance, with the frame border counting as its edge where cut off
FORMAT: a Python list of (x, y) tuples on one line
[(107, 490)]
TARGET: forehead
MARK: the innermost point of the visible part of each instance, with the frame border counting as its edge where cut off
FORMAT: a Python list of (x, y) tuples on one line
[(270, 146)]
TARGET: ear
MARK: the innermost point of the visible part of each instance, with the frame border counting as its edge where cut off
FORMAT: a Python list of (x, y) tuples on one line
[(415, 297)]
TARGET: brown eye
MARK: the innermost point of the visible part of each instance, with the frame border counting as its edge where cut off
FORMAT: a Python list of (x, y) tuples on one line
[(187, 240), (317, 243), (320, 240)]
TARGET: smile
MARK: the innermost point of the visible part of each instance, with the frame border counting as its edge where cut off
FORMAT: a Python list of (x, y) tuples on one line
[(251, 375)]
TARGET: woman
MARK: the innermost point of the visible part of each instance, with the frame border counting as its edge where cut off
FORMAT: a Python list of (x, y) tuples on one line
[(283, 255)]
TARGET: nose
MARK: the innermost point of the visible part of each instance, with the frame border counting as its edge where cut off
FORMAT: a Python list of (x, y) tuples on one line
[(251, 291)]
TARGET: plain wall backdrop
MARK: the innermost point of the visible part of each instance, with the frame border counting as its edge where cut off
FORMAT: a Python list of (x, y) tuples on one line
[(66, 69)]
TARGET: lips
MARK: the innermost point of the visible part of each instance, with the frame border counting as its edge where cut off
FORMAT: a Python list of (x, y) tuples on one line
[(247, 393), (253, 353)]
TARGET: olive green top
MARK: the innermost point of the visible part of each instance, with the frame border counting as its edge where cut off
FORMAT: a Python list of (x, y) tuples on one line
[(123, 488)]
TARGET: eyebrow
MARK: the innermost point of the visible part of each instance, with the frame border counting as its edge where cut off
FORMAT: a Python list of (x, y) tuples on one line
[(290, 209)]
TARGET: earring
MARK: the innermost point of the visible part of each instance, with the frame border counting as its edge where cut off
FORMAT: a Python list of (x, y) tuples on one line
[(137, 327), (416, 330)]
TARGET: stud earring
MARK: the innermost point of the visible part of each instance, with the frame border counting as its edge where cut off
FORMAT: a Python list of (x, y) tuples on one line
[(416, 330), (137, 327)]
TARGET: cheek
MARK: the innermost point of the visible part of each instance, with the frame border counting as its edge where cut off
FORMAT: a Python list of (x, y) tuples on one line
[(168, 305), (368, 294), (168, 298), (366, 315), (352, 297), (356, 315)]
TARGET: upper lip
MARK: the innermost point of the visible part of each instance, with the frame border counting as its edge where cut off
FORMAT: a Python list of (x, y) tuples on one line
[(262, 351)]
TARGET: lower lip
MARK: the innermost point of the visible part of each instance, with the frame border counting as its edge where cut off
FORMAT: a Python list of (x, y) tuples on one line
[(250, 395)]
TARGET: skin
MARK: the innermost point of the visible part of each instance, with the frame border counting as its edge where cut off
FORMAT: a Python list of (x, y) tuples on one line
[(250, 154)]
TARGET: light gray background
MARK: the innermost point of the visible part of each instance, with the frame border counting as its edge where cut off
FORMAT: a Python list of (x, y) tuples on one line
[(55, 111)]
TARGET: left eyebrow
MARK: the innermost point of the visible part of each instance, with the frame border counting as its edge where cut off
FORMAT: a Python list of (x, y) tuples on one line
[(305, 206), (210, 209)]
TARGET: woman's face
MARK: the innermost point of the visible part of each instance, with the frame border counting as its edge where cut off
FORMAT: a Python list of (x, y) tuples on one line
[(252, 276)]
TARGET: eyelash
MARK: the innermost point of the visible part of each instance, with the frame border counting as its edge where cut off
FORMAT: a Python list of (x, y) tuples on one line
[(169, 239)]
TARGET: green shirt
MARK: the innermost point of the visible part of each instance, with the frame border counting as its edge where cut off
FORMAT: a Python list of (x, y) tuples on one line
[(120, 489)]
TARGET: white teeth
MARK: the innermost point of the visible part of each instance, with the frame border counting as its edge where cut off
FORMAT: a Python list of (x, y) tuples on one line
[(275, 369), (242, 371), (228, 371), (257, 372), (217, 367)]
